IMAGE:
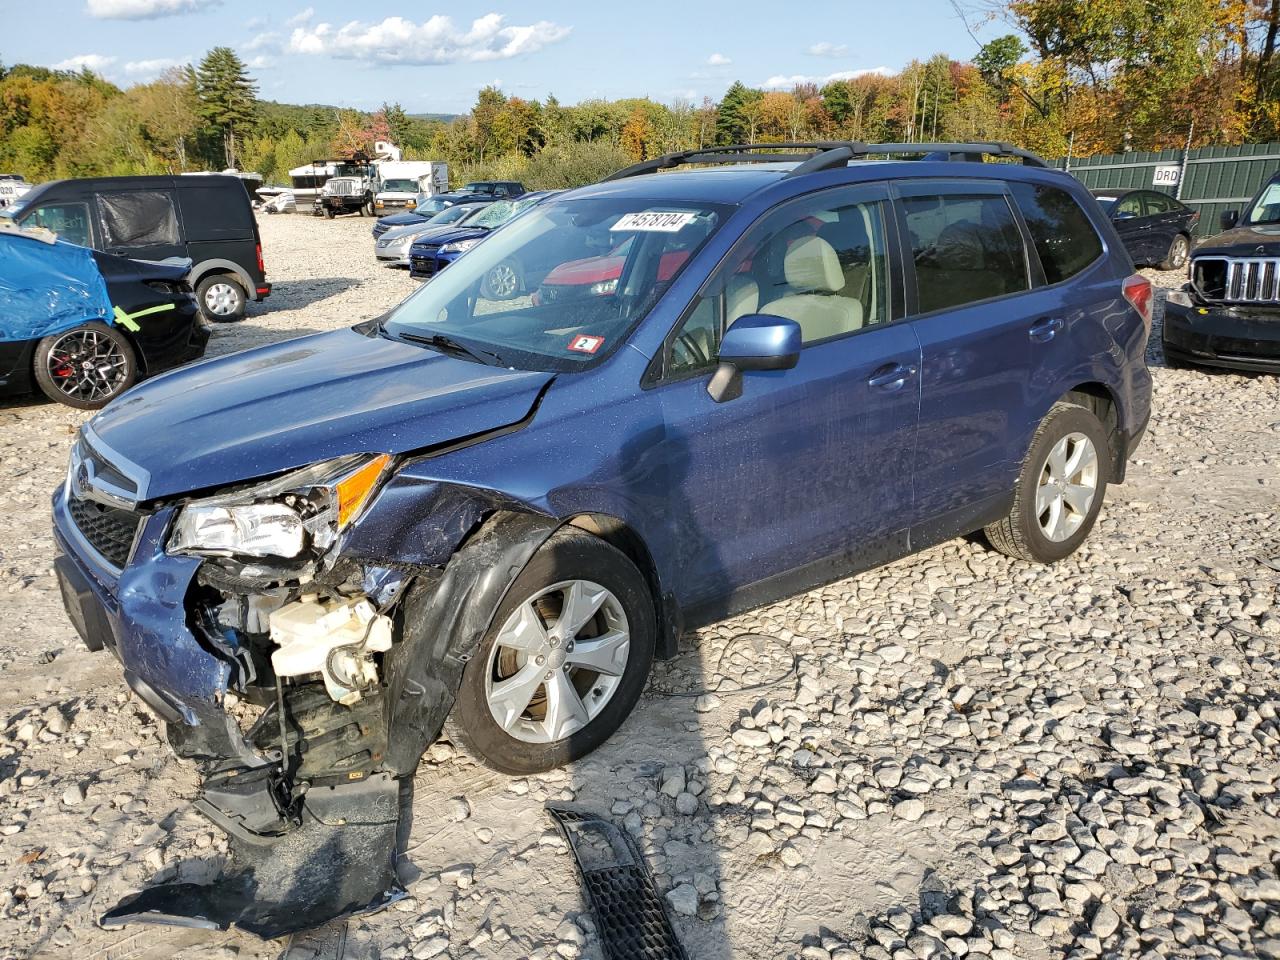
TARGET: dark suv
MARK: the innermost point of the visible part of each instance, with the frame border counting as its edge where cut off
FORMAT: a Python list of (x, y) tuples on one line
[(1228, 315), (207, 219), (487, 515)]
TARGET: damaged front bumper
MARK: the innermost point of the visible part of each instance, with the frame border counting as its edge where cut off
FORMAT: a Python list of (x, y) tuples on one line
[(308, 844), (1221, 335), (308, 788)]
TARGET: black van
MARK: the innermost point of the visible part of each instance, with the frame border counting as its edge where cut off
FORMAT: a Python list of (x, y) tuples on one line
[(206, 218)]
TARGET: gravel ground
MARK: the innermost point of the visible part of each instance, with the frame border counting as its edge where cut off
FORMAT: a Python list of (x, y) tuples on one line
[(956, 754)]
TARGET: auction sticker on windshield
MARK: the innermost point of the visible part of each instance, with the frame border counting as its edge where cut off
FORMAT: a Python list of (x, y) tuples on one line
[(655, 221), (586, 343)]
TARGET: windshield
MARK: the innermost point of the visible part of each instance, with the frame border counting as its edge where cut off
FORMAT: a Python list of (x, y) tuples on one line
[(451, 214), (400, 186), (563, 284), (496, 214), (431, 205), (1266, 209)]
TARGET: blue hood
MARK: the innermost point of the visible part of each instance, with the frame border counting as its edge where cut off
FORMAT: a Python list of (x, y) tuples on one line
[(450, 235), (401, 220), (278, 407)]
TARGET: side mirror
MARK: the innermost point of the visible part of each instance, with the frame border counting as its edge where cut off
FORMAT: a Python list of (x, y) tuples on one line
[(754, 342), (1229, 219)]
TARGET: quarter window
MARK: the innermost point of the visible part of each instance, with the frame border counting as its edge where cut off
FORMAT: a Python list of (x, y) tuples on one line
[(138, 218), (70, 221), (821, 264), (966, 248), (1063, 236)]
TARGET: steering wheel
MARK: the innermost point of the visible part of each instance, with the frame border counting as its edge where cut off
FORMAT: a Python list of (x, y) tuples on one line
[(693, 348)]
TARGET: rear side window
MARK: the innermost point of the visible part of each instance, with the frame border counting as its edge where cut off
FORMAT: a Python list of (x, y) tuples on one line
[(1063, 236), (138, 218), (965, 248), (1159, 203), (215, 212)]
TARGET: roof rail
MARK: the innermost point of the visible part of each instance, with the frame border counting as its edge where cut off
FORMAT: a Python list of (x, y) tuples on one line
[(816, 155)]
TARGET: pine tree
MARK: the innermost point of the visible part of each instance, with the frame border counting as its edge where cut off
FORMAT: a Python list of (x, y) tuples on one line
[(739, 114), (227, 97)]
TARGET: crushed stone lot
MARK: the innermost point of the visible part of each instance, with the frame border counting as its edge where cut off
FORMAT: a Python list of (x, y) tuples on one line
[(957, 754)]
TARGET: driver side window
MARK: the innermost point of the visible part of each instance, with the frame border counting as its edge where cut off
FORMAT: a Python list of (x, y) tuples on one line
[(820, 262)]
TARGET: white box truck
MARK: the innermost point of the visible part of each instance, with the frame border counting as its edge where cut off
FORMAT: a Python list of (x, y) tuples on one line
[(401, 182)]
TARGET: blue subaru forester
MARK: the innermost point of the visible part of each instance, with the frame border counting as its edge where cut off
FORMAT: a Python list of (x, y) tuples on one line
[(485, 514)]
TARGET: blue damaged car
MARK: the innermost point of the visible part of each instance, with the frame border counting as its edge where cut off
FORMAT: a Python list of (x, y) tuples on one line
[(484, 517)]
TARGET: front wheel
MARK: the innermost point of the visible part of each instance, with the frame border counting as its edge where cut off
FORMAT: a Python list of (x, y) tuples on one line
[(85, 368), (563, 663), (1179, 250), (329, 213), (1060, 488)]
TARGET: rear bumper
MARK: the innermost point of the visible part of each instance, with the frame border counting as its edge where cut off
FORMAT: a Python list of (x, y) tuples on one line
[(1222, 337), (261, 291)]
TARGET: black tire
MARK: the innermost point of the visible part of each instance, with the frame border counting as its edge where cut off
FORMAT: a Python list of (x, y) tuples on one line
[(1020, 534), (328, 213), (1179, 250), (221, 297), (569, 554), (62, 376)]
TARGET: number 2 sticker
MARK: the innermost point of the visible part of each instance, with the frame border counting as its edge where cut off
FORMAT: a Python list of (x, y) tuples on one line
[(586, 343)]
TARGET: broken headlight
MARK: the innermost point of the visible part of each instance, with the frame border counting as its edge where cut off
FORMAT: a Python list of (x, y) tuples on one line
[(282, 517)]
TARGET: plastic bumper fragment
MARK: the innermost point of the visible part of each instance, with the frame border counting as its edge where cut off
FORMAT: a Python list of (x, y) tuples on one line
[(340, 862)]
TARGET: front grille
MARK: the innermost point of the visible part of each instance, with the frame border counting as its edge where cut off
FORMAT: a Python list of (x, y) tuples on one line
[(1238, 279), (108, 530), (423, 266), (340, 188)]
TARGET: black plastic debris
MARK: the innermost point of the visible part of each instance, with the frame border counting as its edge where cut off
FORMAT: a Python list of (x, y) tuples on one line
[(339, 862), (630, 916)]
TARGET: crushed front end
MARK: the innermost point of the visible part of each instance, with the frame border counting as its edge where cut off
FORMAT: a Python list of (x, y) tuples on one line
[(238, 621), (1228, 315)]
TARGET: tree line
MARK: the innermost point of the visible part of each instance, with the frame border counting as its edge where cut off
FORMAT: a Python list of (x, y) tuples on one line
[(1090, 76)]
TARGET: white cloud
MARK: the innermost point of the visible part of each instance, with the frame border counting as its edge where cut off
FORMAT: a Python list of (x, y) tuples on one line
[(145, 9), (301, 17), (92, 61), (828, 49), (787, 83), (261, 63), (265, 41), (434, 41), (718, 60), (149, 68)]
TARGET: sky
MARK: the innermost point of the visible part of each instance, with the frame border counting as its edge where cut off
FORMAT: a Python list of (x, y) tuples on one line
[(362, 54)]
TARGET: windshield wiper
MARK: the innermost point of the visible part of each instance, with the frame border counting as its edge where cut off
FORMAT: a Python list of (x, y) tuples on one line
[(447, 345)]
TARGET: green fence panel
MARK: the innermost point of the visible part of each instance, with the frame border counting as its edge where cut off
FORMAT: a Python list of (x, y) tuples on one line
[(1213, 179)]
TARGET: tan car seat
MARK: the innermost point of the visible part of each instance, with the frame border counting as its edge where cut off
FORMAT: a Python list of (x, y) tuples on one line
[(813, 270)]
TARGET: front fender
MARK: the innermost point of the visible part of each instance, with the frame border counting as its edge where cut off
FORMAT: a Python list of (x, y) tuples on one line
[(442, 622)]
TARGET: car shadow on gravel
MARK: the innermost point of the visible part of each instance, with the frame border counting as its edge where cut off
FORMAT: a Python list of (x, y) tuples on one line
[(296, 294)]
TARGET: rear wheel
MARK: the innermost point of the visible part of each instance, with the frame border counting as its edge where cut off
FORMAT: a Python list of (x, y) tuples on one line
[(1060, 488), (563, 663), (86, 367), (1179, 250), (221, 298)]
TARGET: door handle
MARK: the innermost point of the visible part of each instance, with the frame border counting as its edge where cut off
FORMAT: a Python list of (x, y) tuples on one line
[(1042, 331), (891, 376)]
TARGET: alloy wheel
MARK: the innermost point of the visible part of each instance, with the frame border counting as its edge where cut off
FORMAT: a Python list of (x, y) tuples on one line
[(1178, 255), (557, 661), (503, 281), (1067, 487), (87, 365)]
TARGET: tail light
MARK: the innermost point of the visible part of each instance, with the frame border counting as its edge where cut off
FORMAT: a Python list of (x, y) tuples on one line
[(262, 267), (1141, 295)]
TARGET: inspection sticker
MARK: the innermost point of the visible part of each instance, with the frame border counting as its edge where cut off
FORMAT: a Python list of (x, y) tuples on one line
[(656, 221), (586, 343)]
